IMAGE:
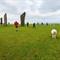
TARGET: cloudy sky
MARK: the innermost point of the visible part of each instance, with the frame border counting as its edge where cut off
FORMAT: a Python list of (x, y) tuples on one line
[(36, 10)]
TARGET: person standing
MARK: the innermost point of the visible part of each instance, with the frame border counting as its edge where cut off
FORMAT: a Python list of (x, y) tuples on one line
[(16, 25)]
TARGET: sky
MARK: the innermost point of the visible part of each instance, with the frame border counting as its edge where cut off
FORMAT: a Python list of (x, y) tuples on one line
[(37, 11)]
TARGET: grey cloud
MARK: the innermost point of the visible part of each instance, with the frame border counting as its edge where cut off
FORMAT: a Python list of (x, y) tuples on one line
[(50, 6), (7, 8)]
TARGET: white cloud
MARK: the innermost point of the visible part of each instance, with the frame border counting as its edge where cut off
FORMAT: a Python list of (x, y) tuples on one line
[(33, 8), (12, 18), (12, 2), (50, 6)]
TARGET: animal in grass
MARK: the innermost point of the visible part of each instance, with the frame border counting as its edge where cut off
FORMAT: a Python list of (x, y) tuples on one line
[(54, 33), (16, 25)]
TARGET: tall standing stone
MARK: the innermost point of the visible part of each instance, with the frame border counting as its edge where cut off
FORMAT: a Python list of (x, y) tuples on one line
[(5, 19), (22, 18), (1, 21)]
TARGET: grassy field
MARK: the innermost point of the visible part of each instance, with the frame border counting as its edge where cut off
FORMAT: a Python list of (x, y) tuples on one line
[(29, 43)]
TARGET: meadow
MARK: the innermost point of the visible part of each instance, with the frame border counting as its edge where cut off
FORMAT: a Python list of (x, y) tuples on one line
[(29, 43)]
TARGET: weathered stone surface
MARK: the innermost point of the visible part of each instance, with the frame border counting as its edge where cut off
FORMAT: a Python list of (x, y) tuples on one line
[(22, 18), (5, 19), (1, 21)]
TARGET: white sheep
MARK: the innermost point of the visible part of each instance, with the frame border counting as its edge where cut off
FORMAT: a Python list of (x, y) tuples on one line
[(54, 33)]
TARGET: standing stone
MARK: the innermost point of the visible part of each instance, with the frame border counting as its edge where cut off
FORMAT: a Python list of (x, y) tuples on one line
[(1, 21), (34, 25), (5, 19), (22, 17), (27, 24), (46, 23), (42, 23)]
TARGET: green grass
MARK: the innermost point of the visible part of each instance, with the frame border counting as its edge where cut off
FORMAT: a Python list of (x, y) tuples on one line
[(29, 43)]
